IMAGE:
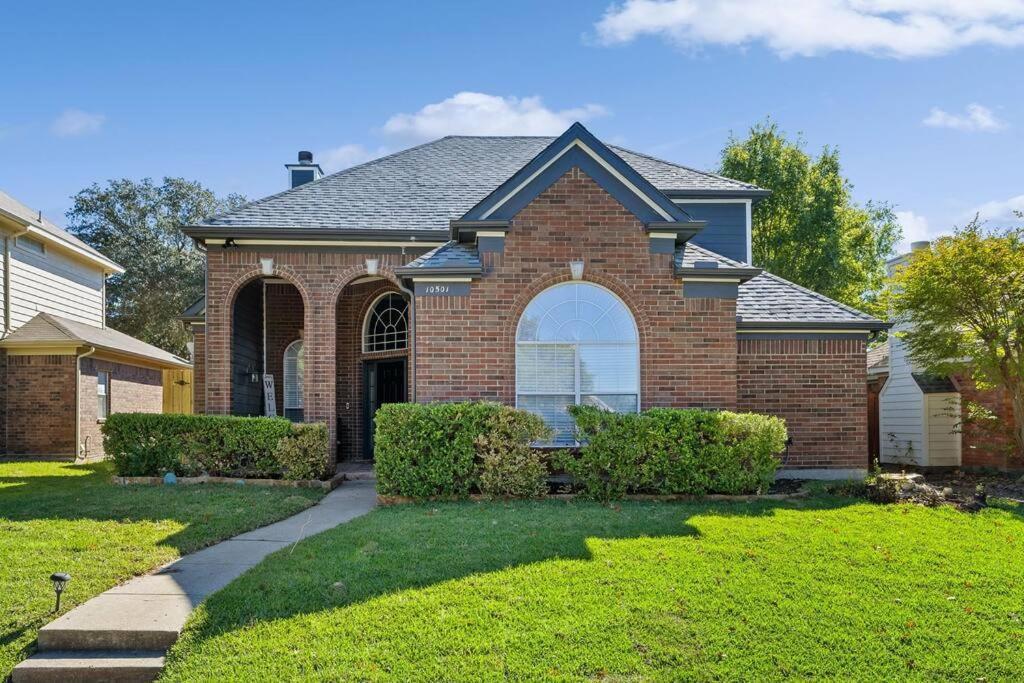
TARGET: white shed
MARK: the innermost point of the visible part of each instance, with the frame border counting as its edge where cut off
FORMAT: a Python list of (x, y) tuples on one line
[(918, 414)]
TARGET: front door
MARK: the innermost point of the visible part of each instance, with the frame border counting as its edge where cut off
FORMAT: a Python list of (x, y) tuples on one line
[(383, 382)]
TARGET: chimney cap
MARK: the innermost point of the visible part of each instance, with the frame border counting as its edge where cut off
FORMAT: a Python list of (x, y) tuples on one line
[(305, 157), (920, 245)]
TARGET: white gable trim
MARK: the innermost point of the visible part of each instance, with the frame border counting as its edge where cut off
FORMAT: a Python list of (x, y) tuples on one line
[(604, 164)]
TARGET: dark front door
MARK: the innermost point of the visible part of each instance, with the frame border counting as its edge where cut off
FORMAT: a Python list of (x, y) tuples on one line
[(383, 382)]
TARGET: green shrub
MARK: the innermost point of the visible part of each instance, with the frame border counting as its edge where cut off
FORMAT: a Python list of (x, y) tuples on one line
[(671, 451), (438, 449), (149, 444), (509, 465), (304, 454)]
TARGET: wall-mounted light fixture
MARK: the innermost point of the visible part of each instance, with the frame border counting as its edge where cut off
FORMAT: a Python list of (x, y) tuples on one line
[(267, 266), (576, 268), (371, 266)]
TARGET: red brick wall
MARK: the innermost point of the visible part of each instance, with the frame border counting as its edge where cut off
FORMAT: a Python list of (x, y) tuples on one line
[(988, 446), (199, 369), (133, 389), (40, 407), (819, 387), (284, 325), (465, 346)]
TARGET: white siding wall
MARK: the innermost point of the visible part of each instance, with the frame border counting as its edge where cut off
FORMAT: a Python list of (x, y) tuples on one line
[(943, 418), (54, 283), (901, 412)]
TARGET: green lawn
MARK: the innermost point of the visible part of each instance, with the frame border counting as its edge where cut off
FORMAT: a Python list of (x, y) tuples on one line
[(818, 588), (61, 517)]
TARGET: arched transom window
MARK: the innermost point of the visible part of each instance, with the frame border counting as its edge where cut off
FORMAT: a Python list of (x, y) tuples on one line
[(387, 324), (576, 344), (294, 370)]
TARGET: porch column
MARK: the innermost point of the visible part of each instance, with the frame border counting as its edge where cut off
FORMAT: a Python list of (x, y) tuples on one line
[(319, 342)]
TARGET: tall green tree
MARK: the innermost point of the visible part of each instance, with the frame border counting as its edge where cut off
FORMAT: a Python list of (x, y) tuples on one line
[(963, 303), (138, 224), (809, 230)]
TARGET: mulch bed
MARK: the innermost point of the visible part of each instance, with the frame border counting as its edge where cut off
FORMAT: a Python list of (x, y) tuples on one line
[(998, 485)]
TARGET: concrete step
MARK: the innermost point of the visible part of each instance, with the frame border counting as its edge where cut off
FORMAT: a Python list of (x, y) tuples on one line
[(79, 667), (114, 621)]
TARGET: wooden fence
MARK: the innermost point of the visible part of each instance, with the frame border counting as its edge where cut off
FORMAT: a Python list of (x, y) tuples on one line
[(178, 391)]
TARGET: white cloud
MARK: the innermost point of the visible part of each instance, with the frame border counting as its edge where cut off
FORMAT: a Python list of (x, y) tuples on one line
[(473, 113), (1000, 213), (915, 229), (975, 118), (465, 113), (75, 122), (345, 156), (889, 28)]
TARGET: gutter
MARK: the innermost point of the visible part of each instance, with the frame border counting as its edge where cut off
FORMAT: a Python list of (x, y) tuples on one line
[(78, 400)]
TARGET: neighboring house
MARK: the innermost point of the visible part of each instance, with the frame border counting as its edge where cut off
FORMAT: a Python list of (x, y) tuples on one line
[(535, 271), (61, 370), (920, 416)]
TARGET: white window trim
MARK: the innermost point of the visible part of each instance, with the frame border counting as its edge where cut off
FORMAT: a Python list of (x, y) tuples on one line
[(369, 315), (21, 240), (576, 356), (106, 394), (284, 379)]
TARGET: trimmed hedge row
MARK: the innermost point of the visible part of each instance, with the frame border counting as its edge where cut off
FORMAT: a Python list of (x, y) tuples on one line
[(150, 444), (672, 451), (452, 449)]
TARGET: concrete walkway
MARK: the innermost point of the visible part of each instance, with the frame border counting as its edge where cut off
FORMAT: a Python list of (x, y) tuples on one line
[(122, 635)]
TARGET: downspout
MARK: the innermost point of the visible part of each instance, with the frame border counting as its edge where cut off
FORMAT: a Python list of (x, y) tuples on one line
[(78, 401), (7, 280)]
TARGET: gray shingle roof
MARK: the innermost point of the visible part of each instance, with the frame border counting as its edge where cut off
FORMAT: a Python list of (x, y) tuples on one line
[(878, 359), (46, 328), (13, 207), (689, 255), (425, 187), (449, 255), (768, 299)]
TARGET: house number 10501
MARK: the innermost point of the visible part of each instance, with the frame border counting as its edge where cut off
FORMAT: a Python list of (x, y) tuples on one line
[(438, 289)]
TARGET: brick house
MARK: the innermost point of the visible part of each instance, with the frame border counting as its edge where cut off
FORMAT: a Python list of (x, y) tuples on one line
[(538, 272), (62, 370)]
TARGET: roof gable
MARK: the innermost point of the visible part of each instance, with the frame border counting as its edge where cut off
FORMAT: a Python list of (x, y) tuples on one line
[(578, 147)]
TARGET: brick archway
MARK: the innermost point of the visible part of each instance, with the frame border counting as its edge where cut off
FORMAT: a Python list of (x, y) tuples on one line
[(269, 340), (350, 303)]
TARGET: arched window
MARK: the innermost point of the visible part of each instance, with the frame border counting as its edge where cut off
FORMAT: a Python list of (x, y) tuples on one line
[(387, 324), (294, 370), (576, 344)]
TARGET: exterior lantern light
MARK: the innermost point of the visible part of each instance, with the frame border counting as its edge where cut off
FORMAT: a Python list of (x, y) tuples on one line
[(267, 266), (60, 580), (576, 268), (371, 266)]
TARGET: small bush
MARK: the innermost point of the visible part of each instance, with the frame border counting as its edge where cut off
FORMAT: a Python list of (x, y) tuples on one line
[(443, 450), (509, 465), (150, 444), (303, 454), (425, 450), (670, 451)]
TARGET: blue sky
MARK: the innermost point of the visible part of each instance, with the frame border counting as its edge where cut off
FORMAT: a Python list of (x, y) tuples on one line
[(921, 97)]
